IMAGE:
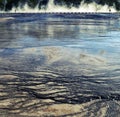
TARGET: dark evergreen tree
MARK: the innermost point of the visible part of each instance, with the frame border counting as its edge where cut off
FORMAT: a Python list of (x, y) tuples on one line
[(8, 4)]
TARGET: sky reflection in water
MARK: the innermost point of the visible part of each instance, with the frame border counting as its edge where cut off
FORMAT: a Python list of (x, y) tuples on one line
[(81, 55)]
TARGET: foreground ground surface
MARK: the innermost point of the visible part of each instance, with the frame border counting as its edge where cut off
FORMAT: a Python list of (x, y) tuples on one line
[(64, 65)]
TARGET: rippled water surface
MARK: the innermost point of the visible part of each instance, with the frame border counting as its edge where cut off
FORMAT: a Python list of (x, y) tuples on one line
[(60, 65)]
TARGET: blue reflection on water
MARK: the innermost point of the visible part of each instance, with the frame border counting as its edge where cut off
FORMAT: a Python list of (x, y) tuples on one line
[(91, 33)]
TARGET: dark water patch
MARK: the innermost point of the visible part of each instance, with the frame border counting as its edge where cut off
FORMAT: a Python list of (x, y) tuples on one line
[(59, 89), (43, 17), (7, 52), (74, 87)]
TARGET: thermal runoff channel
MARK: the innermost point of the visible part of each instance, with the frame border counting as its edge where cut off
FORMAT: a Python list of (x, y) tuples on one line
[(59, 6)]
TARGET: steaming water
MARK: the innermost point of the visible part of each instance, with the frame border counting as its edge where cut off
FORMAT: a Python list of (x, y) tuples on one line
[(60, 64), (51, 7)]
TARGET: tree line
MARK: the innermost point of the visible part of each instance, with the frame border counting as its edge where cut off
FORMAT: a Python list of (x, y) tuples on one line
[(8, 4)]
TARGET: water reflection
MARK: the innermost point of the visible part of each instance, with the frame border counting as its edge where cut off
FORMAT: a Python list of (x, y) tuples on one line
[(46, 32), (53, 63), (89, 35)]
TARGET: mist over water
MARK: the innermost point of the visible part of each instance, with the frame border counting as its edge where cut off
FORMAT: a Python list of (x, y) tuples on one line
[(51, 7)]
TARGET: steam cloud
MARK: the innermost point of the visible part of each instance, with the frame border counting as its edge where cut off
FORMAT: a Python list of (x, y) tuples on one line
[(51, 7)]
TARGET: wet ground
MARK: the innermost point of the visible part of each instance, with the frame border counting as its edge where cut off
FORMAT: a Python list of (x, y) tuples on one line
[(59, 65)]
